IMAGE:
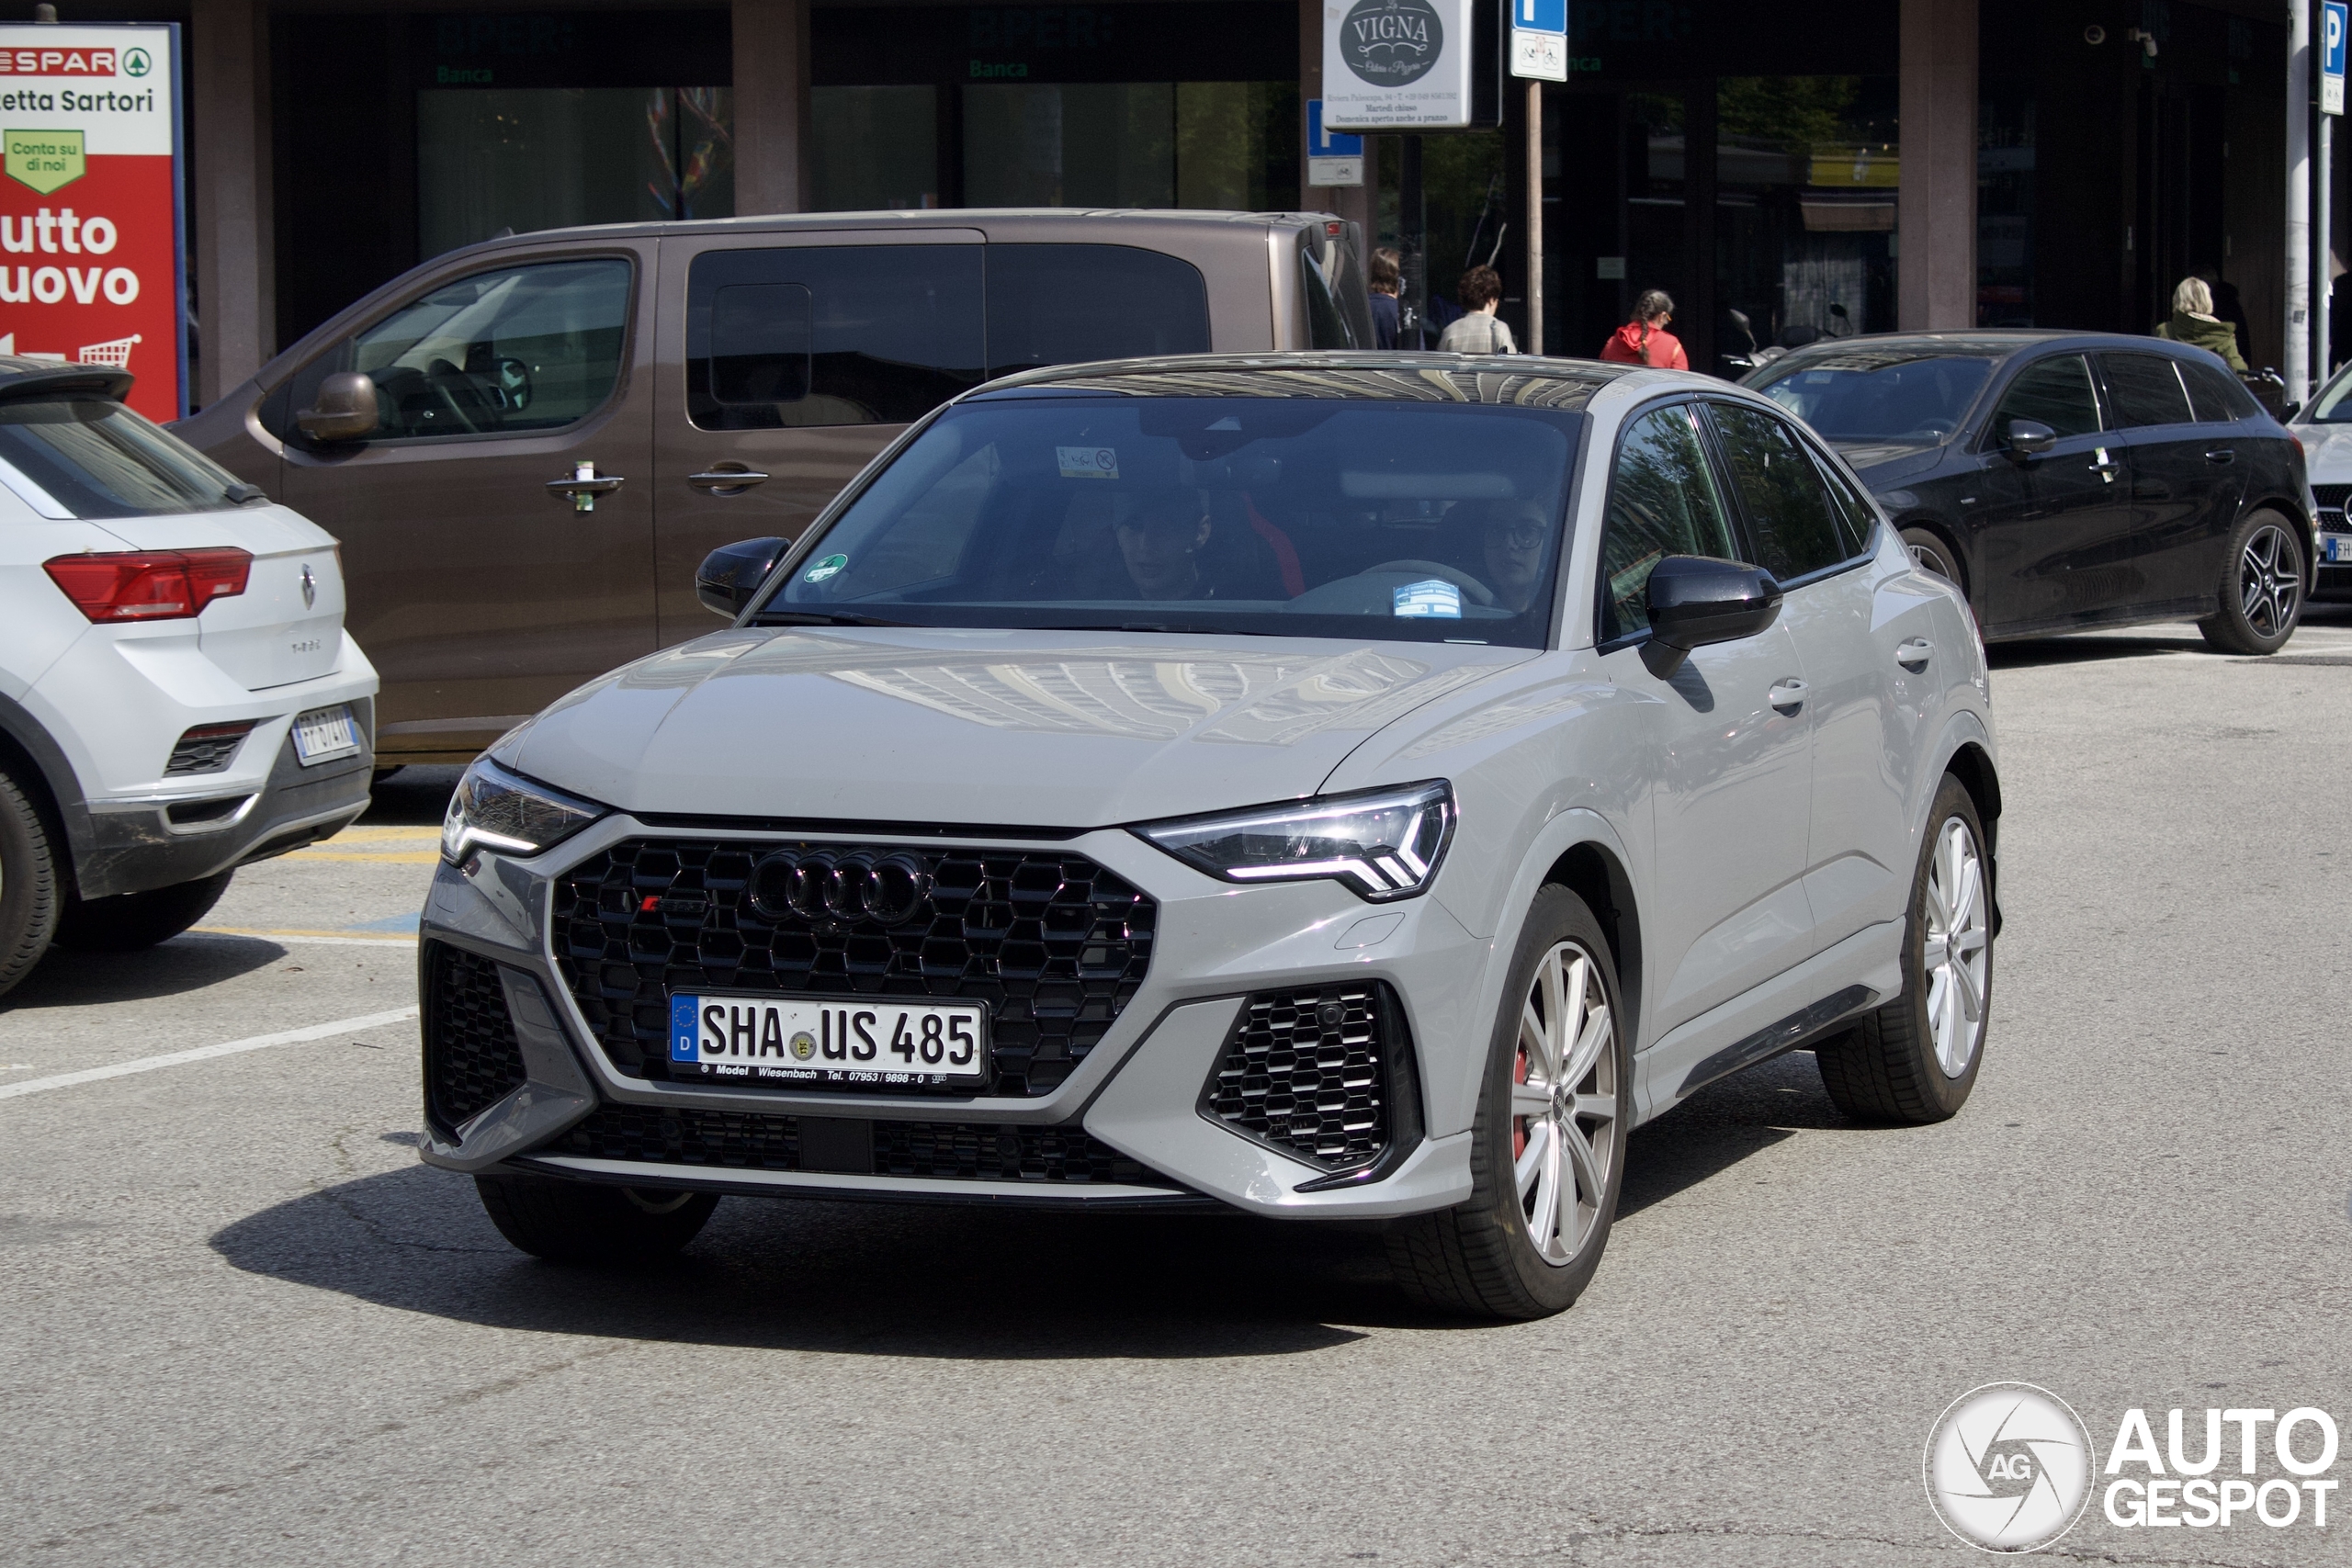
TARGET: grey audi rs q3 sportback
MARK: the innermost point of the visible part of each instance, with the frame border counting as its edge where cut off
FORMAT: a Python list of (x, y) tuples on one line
[(1330, 786)]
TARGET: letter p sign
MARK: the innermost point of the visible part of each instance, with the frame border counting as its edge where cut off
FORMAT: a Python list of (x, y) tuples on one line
[(2331, 56)]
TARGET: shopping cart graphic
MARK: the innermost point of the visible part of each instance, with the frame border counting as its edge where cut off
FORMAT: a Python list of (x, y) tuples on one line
[(114, 353)]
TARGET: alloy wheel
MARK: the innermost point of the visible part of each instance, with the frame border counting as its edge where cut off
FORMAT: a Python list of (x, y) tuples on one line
[(1956, 947), (1927, 558), (1564, 1103), (2270, 580)]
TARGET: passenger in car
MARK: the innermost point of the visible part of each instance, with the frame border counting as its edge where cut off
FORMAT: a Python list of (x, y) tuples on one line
[(1511, 533)]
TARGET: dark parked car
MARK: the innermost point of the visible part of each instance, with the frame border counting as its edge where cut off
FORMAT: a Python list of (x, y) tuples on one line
[(2068, 480)]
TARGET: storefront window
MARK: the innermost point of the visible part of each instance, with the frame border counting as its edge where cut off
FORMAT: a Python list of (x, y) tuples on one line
[(2005, 129), (526, 158), (875, 148), (1201, 144), (1806, 169)]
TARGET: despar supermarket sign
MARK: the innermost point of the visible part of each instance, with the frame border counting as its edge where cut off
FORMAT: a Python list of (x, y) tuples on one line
[(90, 222)]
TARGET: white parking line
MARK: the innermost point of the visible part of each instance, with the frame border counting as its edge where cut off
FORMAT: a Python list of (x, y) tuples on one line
[(227, 1048)]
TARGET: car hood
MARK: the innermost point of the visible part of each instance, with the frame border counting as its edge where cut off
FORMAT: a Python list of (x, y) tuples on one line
[(1883, 462), (1009, 728), (2328, 452)]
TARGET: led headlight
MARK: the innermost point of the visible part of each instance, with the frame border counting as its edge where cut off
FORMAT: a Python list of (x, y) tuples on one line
[(1382, 844), (494, 809)]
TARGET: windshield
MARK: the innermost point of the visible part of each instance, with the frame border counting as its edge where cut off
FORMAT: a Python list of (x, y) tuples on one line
[(96, 459), (2334, 404), (1264, 516), (1865, 395)]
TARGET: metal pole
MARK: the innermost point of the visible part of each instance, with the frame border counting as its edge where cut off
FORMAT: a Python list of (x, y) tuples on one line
[(2323, 257), (1534, 216), (1412, 241), (2299, 201)]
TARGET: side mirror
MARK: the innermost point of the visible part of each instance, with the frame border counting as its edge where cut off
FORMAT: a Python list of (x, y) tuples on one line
[(2028, 437), (345, 410), (1697, 600), (730, 574)]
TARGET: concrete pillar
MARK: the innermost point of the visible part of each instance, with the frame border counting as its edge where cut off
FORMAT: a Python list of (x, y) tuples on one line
[(771, 105), (1935, 265), (235, 237)]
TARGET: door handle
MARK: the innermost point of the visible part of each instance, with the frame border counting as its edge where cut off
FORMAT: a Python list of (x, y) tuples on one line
[(1788, 695), (584, 486), (726, 481), (1913, 655), (2221, 455)]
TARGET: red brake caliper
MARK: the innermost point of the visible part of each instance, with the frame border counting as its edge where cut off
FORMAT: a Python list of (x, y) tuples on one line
[(1518, 1123)]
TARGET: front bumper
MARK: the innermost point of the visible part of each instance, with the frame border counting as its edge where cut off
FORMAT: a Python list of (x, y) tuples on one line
[(161, 842), (1131, 1122)]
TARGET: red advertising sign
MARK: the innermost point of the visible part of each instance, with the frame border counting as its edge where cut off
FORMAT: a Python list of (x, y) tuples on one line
[(90, 242)]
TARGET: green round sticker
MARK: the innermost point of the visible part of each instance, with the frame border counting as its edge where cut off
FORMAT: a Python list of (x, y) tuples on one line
[(824, 569)]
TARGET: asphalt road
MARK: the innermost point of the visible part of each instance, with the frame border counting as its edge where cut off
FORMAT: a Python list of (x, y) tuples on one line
[(239, 1323)]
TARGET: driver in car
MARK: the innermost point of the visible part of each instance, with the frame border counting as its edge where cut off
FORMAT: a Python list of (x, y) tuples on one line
[(1160, 535), (1513, 533)]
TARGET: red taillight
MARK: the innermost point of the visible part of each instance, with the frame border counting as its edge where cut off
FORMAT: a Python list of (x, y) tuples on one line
[(149, 585)]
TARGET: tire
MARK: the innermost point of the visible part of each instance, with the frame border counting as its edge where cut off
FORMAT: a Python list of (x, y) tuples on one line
[(1482, 1257), (129, 921), (2261, 593), (580, 1222), (29, 895), (1914, 1060), (1929, 553), (381, 774)]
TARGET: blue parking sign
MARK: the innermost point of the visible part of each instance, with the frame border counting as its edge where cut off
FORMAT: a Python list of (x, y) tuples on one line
[(1540, 15), (1321, 143)]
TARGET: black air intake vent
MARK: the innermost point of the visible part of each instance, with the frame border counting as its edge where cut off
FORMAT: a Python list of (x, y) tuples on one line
[(208, 748), (471, 1058), (1310, 1071)]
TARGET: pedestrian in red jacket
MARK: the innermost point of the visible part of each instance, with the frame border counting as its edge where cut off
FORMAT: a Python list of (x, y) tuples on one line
[(1645, 340)]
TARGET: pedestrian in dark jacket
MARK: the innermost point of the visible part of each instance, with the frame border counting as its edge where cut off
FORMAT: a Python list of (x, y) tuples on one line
[(1386, 277)]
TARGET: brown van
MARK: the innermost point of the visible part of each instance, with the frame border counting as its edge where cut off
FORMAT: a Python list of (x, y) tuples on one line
[(525, 446)]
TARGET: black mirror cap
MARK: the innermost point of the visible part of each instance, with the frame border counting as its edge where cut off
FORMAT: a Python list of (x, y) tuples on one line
[(2029, 436), (1698, 600), (730, 574)]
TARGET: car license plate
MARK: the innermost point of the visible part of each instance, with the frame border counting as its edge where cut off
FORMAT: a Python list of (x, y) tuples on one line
[(323, 734), (2339, 547), (827, 1039)]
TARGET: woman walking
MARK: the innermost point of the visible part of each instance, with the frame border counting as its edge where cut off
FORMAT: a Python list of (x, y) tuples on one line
[(1644, 339), (2192, 321), (1476, 331)]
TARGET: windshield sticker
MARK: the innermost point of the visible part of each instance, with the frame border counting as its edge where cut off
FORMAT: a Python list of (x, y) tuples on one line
[(830, 566), (1088, 462), (1431, 597)]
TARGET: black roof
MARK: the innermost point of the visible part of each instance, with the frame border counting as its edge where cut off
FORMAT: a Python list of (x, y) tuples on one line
[(1875, 351), (21, 377), (1522, 381)]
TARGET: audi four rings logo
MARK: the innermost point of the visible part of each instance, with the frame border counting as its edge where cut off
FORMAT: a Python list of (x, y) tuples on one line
[(847, 887)]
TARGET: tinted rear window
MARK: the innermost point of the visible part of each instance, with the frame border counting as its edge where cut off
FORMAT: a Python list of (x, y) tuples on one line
[(2144, 388), (2218, 397), (97, 458), (1067, 304), (831, 335)]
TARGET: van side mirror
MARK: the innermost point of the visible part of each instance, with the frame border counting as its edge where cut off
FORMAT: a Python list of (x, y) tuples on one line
[(1694, 600), (730, 574), (2028, 437), (345, 409)]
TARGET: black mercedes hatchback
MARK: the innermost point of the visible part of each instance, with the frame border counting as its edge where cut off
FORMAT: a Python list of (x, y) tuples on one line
[(2066, 480)]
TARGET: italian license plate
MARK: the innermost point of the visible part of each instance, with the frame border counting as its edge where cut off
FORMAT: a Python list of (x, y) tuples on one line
[(818, 1040), (323, 734)]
